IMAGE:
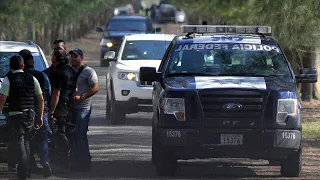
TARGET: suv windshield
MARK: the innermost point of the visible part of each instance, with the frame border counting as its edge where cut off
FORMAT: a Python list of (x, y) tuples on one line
[(127, 25), (144, 50), (5, 60), (231, 59)]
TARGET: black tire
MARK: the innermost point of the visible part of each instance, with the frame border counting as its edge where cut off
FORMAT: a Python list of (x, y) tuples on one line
[(154, 148), (104, 63), (166, 163), (291, 166), (108, 108), (116, 115)]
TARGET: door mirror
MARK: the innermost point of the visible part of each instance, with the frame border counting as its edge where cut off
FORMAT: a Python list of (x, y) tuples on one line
[(99, 29), (149, 74), (110, 56), (156, 30), (307, 75)]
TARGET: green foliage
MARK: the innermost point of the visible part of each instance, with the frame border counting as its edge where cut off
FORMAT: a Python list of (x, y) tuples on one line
[(18, 15), (295, 23)]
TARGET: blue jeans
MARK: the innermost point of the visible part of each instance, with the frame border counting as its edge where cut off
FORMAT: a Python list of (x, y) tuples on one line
[(81, 154), (39, 143)]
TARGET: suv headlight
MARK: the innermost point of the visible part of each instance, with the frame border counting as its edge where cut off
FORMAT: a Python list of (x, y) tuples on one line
[(286, 107), (127, 76), (106, 42), (176, 107)]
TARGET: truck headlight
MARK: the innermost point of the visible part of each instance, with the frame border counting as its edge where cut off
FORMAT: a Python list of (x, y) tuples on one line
[(127, 76), (106, 42), (285, 108), (176, 107)]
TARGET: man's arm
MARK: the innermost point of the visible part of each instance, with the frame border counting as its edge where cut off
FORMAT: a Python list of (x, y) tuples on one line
[(40, 101), (54, 100), (3, 99), (94, 88)]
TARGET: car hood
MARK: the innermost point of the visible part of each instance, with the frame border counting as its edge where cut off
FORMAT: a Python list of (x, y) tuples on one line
[(134, 65), (235, 82), (121, 33)]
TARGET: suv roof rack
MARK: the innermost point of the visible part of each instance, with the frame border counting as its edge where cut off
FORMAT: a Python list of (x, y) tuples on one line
[(225, 29)]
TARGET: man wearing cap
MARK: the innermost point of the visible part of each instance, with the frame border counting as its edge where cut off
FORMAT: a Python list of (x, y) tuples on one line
[(39, 142), (21, 89), (87, 86), (63, 85)]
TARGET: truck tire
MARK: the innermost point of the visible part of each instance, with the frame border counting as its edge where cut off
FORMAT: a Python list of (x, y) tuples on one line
[(154, 148), (116, 115), (104, 63), (291, 166), (108, 107), (166, 163)]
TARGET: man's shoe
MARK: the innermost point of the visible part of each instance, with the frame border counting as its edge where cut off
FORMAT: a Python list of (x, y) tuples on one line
[(46, 169)]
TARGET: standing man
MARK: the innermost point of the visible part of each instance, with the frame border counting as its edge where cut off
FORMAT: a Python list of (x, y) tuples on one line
[(21, 89), (87, 86), (63, 85), (39, 143)]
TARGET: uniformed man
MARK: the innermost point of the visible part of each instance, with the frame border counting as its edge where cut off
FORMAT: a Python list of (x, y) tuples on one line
[(63, 85), (39, 142), (21, 89)]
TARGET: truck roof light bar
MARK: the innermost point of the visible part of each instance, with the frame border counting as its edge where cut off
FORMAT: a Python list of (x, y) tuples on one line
[(264, 30)]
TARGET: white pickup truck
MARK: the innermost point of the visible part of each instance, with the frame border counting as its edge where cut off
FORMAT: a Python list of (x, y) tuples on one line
[(125, 93)]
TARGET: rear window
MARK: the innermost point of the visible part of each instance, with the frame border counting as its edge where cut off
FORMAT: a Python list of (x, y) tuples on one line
[(229, 59), (144, 50), (39, 63)]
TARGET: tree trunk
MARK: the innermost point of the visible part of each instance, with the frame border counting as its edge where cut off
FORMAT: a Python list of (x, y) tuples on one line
[(308, 62)]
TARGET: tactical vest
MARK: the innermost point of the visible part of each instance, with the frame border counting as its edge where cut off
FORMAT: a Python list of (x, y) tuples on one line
[(68, 83), (22, 89)]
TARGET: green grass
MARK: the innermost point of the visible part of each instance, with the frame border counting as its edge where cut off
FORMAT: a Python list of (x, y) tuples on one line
[(311, 129)]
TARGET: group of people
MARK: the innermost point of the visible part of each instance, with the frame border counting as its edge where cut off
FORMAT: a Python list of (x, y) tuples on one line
[(53, 105)]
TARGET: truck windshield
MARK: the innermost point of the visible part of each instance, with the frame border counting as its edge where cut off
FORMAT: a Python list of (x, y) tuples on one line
[(228, 59), (127, 25)]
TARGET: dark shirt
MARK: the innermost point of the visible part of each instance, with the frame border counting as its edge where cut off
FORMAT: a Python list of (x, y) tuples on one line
[(64, 79)]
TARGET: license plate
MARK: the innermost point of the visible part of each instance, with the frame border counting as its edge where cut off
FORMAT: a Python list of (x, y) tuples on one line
[(3, 122), (231, 139)]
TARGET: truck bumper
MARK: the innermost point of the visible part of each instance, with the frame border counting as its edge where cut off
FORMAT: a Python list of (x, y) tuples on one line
[(269, 144)]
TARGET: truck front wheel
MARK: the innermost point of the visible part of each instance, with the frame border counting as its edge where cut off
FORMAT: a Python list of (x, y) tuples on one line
[(291, 166)]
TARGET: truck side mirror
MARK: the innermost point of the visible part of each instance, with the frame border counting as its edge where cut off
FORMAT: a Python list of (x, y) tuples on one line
[(110, 56), (99, 29), (149, 74), (307, 75)]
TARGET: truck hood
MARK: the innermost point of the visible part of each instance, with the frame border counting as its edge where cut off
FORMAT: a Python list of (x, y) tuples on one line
[(134, 65), (236, 82)]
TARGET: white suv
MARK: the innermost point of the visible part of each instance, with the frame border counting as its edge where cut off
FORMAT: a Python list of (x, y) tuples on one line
[(125, 93)]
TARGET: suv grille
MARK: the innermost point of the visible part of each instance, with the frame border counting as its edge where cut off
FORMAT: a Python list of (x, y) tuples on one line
[(232, 108), (145, 83)]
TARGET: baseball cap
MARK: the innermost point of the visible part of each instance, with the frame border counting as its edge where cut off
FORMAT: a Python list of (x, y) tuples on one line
[(76, 51)]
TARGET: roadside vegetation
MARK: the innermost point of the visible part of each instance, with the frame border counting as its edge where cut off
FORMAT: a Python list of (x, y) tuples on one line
[(43, 21)]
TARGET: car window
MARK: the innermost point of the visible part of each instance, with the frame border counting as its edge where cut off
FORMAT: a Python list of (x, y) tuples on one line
[(229, 59), (144, 50), (127, 25), (39, 63)]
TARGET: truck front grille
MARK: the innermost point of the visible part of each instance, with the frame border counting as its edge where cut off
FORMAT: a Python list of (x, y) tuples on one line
[(232, 108)]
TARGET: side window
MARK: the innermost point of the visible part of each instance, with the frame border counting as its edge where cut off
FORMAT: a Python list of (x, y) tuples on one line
[(166, 56)]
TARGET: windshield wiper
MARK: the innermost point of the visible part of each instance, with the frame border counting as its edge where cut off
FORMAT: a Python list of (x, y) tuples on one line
[(189, 74)]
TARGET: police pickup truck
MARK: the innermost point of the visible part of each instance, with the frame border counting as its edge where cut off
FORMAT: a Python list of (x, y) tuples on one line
[(226, 92)]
